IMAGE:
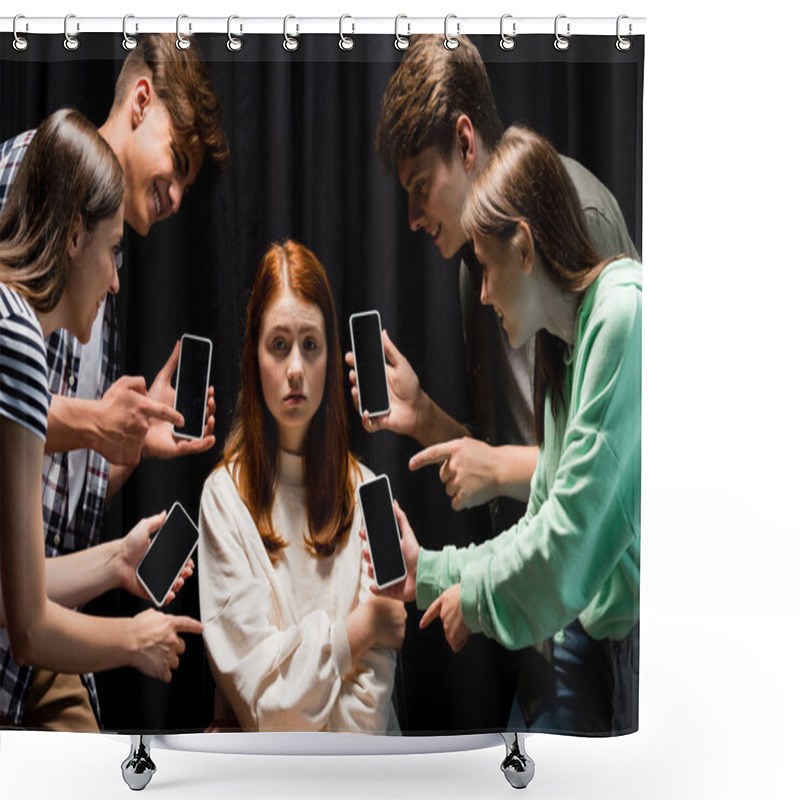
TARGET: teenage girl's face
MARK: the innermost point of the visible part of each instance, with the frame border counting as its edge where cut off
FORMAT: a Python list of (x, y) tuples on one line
[(292, 362), (509, 288), (92, 274)]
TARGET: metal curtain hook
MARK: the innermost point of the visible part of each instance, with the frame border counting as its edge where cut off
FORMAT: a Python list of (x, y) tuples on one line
[(70, 42), (507, 42), (128, 42), (20, 42), (234, 43), (623, 44), (561, 42), (182, 43), (346, 42), (400, 42), (450, 42), (289, 42)]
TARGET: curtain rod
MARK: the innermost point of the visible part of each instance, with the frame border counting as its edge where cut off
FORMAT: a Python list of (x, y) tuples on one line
[(294, 25)]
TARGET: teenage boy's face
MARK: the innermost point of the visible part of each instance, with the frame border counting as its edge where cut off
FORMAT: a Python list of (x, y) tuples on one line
[(158, 170), (437, 189)]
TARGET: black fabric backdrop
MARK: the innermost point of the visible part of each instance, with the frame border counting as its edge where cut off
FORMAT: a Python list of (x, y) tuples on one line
[(301, 128)]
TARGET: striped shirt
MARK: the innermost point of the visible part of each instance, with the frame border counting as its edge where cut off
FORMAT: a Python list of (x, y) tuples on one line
[(24, 397)]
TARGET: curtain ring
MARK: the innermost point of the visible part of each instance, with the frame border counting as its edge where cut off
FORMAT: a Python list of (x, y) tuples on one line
[(234, 43), (346, 42), (128, 42), (20, 42), (400, 42), (289, 42), (507, 42), (561, 42), (182, 43), (71, 43), (623, 44), (450, 42)]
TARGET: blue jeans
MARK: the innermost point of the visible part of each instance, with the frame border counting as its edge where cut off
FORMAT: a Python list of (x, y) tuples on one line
[(596, 687)]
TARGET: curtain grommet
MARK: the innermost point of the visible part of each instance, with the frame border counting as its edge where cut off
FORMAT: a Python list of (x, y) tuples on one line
[(346, 42), (507, 42), (451, 42), (401, 42), (623, 44), (290, 43), (71, 43), (561, 43), (20, 42), (234, 43), (128, 42), (182, 42)]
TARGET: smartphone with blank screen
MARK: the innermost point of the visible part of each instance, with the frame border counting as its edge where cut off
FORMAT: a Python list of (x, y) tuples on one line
[(383, 535), (170, 548), (191, 385), (370, 363)]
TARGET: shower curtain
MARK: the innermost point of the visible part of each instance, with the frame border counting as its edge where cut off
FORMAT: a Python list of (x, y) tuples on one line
[(301, 127)]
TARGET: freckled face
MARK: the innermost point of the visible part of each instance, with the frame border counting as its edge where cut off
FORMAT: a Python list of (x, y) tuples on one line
[(292, 361)]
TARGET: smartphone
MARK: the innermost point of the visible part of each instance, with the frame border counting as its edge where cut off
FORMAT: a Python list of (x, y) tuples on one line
[(170, 548), (370, 363), (383, 535), (191, 386)]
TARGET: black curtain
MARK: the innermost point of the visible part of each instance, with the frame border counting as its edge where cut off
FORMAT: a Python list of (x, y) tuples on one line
[(301, 128)]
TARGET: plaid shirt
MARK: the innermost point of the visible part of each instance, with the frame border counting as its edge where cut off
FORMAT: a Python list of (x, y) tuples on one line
[(62, 535)]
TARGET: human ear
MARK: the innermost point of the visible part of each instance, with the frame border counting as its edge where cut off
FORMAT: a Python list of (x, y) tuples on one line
[(76, 238), (523, 240), (465, 142), (141, 97)]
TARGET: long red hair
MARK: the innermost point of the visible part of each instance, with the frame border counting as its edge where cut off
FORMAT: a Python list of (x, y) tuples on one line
[(329, 469)]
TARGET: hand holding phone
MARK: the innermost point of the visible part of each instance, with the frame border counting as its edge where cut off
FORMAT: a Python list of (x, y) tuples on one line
[(191, 390), (170, 549), (370, 363), (383, 535)]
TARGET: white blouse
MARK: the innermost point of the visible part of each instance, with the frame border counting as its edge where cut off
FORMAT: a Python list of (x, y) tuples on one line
[(275, 634)]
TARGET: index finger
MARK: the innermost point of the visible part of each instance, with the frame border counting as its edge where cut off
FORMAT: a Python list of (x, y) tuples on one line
[(187, 625), (435, 454), (156, 410), (432, 613)]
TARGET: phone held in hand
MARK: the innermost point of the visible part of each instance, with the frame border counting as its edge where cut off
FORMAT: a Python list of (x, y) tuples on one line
[(191, 386), (170, 549), (383, 535), (370, 363)]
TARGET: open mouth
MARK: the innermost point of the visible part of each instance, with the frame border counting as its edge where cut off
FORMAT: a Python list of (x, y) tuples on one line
[(157, 201), (295, 398), (436, 231)]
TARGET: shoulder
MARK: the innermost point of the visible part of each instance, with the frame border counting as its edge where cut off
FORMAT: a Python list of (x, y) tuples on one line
[(24, 395), (613, 303), (12, 152)]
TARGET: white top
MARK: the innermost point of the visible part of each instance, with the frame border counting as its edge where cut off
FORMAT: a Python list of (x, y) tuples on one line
[(275, 634)]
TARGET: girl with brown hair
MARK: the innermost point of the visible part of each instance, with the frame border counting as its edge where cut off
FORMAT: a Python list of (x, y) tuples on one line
[(570, 567), (295, 640), (60, 233)]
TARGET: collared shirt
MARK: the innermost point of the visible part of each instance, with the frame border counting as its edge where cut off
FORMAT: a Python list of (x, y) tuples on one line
[(62, 535)]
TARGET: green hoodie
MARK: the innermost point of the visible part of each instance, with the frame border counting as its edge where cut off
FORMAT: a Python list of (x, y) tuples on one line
[(575, 553)]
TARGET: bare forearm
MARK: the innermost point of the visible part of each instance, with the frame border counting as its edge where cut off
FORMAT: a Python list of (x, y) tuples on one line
[(513, 469), (434, 425), (75, 579), (67, 641), (71, 424), (117, 475)]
